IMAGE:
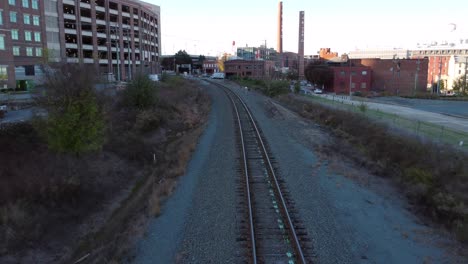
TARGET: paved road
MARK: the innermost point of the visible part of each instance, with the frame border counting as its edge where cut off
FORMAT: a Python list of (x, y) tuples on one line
[(452, 122), (452, 108), (15, 116)]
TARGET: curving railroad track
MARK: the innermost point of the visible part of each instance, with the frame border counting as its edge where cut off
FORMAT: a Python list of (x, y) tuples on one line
[(273, 236)]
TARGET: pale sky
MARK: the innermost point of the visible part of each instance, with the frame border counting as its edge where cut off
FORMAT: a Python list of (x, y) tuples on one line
[(209, 27)]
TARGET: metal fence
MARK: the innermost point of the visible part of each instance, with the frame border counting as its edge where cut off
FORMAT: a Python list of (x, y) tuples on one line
[(424, 130)]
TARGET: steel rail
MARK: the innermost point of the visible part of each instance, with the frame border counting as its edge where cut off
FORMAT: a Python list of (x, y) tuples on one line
[(244, 155), (278, 189), (291, 228)]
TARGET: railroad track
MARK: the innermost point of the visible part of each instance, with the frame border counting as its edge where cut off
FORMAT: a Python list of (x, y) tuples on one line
[(272, 234)]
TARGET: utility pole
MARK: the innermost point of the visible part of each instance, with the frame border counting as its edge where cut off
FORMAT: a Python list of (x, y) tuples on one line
[(466, 70), (129, 54), (416, 77), (440, 73), (350, 78), (114, 32)]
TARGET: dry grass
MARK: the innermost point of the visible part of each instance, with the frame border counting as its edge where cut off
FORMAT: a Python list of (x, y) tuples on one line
[(433, 176), (43, 193)]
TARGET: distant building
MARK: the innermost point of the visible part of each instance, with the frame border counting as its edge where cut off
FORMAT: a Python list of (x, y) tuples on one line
[(351, 79), (380, 54), (397, 77), (257, 53), (326, 54), (446, 61), (291, 61), (255, 69), (210, 66)]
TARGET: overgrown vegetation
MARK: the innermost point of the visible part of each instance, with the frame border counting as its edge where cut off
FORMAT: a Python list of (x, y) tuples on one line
[(141, 92), (268, 87), (45, 189), (433, 176), (74, 123)]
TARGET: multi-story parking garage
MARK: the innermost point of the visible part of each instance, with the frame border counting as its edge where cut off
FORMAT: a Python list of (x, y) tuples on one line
[(115, 36)]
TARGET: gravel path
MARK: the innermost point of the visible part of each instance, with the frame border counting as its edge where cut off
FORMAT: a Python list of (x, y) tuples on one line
[(352, 216), (198, 222)]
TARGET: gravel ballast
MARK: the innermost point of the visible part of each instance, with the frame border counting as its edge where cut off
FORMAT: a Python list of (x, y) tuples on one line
[(350, 215), (198, 223)]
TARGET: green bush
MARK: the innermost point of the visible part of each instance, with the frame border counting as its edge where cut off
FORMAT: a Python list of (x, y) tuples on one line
[(78, 128), (75, 123), (141, 93), (363, 107), (417, 175)]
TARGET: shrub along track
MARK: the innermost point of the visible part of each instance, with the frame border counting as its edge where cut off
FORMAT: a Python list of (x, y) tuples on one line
[(432, 176), (271, 234)]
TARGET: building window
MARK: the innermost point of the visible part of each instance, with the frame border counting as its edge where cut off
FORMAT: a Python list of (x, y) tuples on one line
[(342, 73), (27, 36), (364, 72), (2, 42), (14, 34), (1, 17), (27, 19), (353, 85), (13, 17), (3, 72), (12, 2), (26, 3), (29, 51), (36, 20), (16, 51), (35, 4), (37, 36), (39, 52), (363, 85)]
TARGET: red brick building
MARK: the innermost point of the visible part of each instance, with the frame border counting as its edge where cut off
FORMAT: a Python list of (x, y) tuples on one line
[(438, 67), (326, 54), (353, 79), (210, 66), (256, 69), (22, 40), (397, 77)]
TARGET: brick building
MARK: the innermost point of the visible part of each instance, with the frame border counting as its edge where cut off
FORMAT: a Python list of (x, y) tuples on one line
[(22, 41), (326, 54), (437, 69), (256, 69), (113, 36), (210, 66), (397, 77), (351, 79)]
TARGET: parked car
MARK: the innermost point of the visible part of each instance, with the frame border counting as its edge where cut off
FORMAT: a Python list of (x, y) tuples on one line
[(318, 91), (218, 75), (154, 77)]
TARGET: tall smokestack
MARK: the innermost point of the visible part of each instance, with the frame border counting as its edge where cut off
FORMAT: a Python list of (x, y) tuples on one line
[(280, 34), (280, 27), (301, 45)]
